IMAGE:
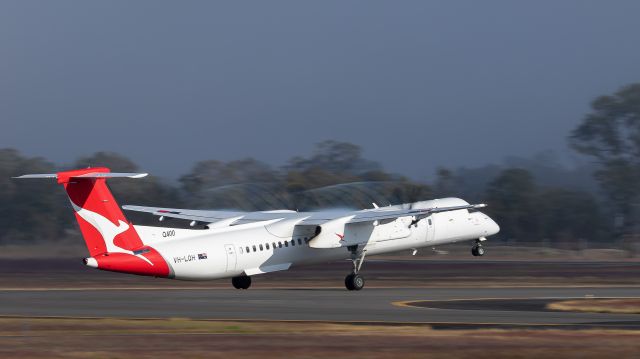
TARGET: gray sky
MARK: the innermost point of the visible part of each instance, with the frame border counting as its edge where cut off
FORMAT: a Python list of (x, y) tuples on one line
[(416, 84)]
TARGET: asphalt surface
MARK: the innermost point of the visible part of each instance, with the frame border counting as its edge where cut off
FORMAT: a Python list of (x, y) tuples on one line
[(415, 273), (444, 293), (484, 307)]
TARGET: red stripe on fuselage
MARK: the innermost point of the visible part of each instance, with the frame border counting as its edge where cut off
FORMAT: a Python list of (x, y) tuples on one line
[(133, 264)]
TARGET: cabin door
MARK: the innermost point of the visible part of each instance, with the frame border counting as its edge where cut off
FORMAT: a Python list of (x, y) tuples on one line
[(231, 257)]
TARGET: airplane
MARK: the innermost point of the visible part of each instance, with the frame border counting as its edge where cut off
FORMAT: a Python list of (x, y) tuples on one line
[(239, 245)]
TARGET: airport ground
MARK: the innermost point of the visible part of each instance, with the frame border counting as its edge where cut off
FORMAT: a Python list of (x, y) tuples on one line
[(411, 307)]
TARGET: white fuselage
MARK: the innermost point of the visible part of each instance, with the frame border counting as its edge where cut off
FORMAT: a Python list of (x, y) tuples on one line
[(259, 247)]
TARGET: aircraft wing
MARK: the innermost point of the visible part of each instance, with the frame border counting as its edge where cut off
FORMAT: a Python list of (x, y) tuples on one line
[(382, 214), (310, 218), (188, 214), (211, 216)]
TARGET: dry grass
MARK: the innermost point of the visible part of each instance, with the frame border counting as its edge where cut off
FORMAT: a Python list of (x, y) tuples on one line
[(121, 338)]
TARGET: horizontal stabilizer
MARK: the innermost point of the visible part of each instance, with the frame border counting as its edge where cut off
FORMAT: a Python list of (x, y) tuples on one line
[(86, 175), (38, 175)]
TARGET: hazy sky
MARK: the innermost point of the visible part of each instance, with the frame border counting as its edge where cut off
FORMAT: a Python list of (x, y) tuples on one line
[(416, 83)]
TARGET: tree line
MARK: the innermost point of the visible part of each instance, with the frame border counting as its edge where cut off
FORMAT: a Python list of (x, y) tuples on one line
[(533, 200)]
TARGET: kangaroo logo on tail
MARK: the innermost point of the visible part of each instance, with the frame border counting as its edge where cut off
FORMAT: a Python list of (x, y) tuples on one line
[(107, 229)]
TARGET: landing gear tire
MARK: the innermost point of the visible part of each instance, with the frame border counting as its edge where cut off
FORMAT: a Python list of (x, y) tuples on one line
[(354, 282), (477, 251), (242, 282), (348, 282)]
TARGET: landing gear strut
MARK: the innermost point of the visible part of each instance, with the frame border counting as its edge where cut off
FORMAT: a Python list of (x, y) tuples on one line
[(241, 282), (477, 250), (354, 281)]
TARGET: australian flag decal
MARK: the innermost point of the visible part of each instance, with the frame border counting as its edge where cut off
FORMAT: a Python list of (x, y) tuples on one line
[(202, 256)]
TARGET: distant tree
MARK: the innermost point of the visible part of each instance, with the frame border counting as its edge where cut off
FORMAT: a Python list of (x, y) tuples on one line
[(150, 190), (30, 210), (114, 161), (568, 215), (335, 157), (212, 173), (610, 134), (336, 175), (409, 191), (446, 183), (512, 201), (331, 163), (245, 184)]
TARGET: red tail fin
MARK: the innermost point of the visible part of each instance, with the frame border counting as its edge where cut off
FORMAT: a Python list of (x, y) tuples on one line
[(103, 225), (111, 239)]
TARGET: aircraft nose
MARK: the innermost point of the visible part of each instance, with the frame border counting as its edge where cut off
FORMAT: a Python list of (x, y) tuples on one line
[(493, 227)]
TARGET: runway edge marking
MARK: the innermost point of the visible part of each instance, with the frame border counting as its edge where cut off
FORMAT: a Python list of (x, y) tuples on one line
[(355, 322), (40, 289)]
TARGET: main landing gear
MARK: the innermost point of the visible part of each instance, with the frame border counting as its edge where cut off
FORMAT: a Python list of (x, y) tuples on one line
[(241, 282), (477, 250), (355, 281)]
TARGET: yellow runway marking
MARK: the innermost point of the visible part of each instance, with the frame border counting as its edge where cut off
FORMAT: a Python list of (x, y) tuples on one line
[(412, 303)]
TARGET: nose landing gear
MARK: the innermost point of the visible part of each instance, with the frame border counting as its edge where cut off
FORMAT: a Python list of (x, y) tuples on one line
[(477, 250)]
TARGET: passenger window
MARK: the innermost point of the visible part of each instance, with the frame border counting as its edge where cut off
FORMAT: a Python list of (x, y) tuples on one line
[(254, 248), (429, 220), (286, 244), (299, 241), (248, 250), (267, 246), (261, 247), (279, 244), (293, 242), (274, 245)]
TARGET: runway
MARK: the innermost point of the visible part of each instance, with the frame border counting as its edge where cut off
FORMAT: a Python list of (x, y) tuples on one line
[(436, 306)]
